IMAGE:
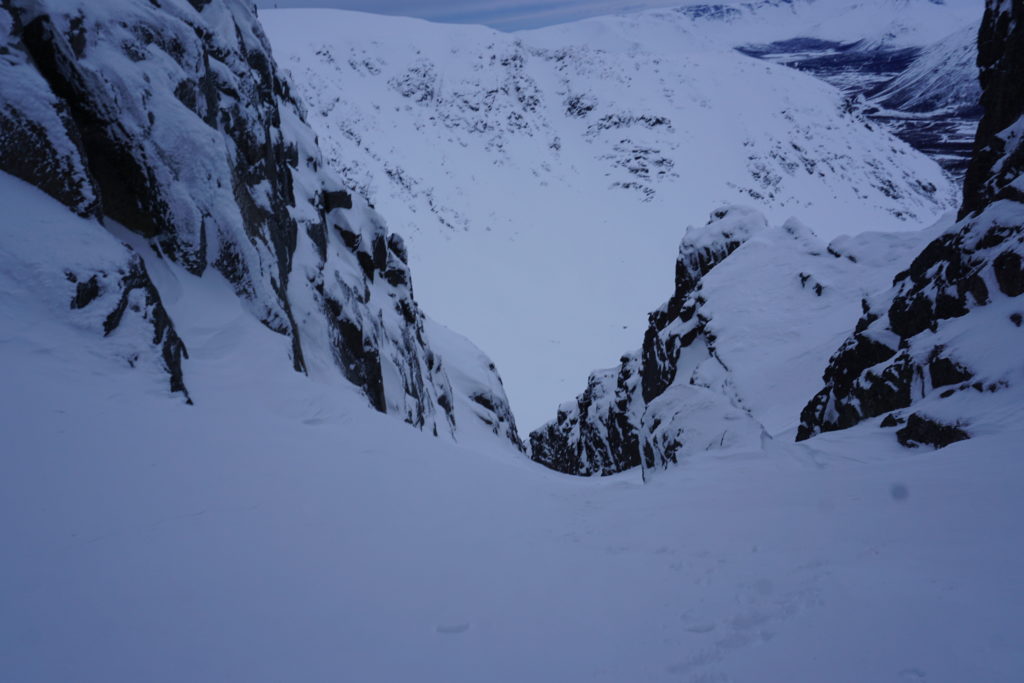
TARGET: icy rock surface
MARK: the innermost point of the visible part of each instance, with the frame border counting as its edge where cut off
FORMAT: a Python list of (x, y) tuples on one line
[(171, 120), (951, 324)]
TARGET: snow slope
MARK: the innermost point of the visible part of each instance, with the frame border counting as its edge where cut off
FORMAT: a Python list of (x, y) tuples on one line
[(944, 76), (285, 531), (554, 170)]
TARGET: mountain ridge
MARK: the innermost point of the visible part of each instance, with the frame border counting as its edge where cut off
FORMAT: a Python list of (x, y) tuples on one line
[(496, 151)]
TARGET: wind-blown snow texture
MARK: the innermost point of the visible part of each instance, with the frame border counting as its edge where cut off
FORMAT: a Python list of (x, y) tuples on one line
[(550, 168), (946, 340), (170, 119)]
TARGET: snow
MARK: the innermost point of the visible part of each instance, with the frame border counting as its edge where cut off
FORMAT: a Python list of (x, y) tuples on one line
[(281, 530), (944, 76), (543, 179), (882, 23), (773, 331)]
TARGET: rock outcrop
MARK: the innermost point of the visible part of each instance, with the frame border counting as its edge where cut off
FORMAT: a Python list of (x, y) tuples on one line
[(171, 119), (947, 325), (601, 432), (757, 308)]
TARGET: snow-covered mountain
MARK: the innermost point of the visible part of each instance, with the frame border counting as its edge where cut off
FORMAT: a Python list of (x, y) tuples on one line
[(946, 339), (554, 169), (907, 65), (169, 124), (942, 77), (724, 362), (281, 529)]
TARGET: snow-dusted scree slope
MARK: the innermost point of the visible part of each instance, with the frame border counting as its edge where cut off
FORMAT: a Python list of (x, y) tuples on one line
[(726, 362), (540, 177), (168, 121)]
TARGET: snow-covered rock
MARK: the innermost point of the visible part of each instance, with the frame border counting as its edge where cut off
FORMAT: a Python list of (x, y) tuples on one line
[(171, 122), (725, 362), (560, 160), (945, 342), (938, 349)]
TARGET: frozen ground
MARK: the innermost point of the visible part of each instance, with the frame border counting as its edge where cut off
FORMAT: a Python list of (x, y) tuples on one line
[(279, 530)]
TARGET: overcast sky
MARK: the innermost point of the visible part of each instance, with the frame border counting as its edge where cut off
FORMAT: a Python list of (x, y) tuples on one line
[(507, 15)]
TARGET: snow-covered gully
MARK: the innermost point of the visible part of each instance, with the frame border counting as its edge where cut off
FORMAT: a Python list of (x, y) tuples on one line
[(234, 445)]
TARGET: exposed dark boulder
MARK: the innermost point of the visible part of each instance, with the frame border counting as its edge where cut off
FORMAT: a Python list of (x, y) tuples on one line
[(924, 431), (1009, 271), (337, 199)]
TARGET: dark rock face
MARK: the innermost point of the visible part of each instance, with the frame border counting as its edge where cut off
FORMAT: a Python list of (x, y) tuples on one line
[(130, 292), (39, 144), (172, 119), (598, 433), (893, 358), (184, 145), (603, 430), (998, 161), (921, 431)]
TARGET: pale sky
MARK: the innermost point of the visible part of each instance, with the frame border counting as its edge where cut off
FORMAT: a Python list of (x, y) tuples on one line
[(506, 15)]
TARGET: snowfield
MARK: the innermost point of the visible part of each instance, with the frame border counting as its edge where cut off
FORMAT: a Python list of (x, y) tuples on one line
[(543, 179), (279, 530)]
